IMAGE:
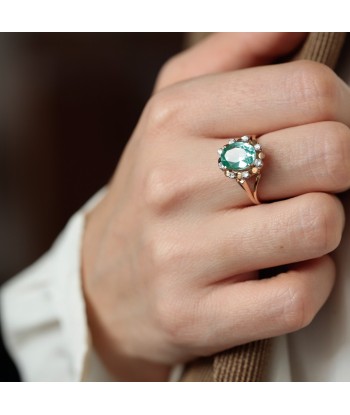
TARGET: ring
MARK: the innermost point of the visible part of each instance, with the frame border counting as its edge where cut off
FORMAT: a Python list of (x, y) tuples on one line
[(242, 159)]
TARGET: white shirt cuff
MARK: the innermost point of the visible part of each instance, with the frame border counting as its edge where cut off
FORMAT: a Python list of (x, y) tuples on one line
[(43, 313)]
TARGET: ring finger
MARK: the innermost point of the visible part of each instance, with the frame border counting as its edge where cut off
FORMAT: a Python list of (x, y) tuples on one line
[(309, 158)]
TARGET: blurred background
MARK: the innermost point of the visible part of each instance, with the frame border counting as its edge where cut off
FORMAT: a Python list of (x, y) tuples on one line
[(68, 104)]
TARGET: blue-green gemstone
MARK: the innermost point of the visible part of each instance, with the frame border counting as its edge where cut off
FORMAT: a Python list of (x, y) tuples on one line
[(238, 156)]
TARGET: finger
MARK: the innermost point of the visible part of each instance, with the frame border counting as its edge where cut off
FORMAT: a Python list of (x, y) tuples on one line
[(303, 159), (238, 313), (252, 101), (265, 236), (313, 157), (223, 52)]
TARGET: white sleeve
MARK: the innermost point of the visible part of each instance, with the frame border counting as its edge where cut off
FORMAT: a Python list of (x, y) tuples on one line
[(43, 313)]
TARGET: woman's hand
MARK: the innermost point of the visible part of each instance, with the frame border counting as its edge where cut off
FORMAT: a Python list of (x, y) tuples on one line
[(171, 254)]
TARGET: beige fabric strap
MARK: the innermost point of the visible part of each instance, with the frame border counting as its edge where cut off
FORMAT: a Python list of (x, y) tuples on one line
[(244, 363), (247, 363), (324, 47)]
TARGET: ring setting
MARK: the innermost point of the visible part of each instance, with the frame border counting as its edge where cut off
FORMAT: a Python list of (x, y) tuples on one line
[(242, 159)]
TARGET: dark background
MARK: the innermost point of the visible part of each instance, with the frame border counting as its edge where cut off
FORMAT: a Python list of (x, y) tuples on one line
[(68, 104)]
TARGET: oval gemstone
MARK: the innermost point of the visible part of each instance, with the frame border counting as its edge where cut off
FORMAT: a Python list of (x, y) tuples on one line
[(238, 156)]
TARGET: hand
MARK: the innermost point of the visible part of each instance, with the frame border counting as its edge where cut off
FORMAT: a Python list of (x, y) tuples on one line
[(171, 255)]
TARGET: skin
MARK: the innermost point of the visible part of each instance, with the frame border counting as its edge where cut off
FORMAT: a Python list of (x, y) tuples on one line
[(171, 254)]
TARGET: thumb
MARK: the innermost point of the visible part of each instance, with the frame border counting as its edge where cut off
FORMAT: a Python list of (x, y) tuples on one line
[(221, 52)]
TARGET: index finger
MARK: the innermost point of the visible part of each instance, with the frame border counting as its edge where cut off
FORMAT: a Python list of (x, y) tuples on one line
[(222, 52)]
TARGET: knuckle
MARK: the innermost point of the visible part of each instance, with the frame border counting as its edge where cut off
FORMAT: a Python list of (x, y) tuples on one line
[(176, 310), (321, 221), (169, 70), (297, 312), (166, 252), (164, 189), (316, 86), (176, 320), (163, 111), (337, 156), (157, 192)]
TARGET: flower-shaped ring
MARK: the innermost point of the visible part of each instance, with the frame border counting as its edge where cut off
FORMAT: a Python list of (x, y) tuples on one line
[(242, 159)]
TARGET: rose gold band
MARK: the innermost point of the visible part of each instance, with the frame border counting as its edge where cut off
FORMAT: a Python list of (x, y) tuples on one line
[(252, 194)]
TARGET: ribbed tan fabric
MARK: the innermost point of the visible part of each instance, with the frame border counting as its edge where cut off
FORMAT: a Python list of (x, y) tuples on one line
[(247, 363), (244, 363), (323, 47)]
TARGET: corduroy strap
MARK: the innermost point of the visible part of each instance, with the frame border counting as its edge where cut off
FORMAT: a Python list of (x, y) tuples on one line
[(247, 363), (324, 47)]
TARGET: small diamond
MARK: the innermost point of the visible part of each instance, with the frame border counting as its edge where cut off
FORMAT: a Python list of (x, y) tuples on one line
[(245, 175), (258, 163), (231, 140), (245, 138), (257, 147), (230, 174), (221, 166), (220, 151)]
